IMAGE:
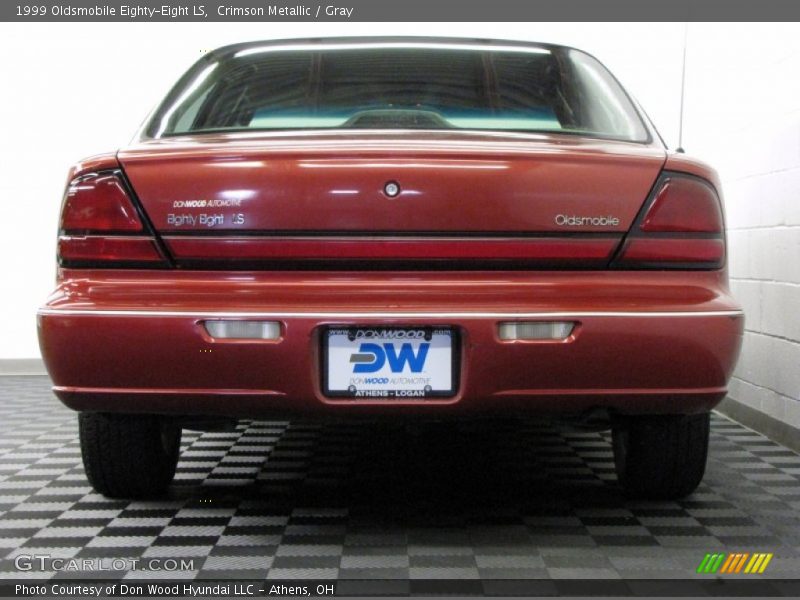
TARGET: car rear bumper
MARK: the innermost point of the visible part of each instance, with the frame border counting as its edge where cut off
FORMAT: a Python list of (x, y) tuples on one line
[(133, 341)]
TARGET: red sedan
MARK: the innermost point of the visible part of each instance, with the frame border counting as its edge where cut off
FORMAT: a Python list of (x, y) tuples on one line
[(392, 227)]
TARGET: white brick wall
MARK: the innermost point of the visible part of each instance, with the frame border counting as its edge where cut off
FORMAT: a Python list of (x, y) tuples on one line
[(743, 116)]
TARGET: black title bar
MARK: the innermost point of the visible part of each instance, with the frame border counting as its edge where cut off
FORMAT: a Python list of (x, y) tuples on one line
[(399, 10)]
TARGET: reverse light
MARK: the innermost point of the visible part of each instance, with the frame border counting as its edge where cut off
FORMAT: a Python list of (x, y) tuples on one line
[(243, 330), (681, 228), (535, 330), (100, 226)]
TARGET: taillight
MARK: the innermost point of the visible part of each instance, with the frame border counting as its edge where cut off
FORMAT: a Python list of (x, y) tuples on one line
[(100, 226), (681, 227)]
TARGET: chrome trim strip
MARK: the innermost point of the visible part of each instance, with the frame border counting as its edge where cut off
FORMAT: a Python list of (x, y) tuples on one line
[(384, 315)]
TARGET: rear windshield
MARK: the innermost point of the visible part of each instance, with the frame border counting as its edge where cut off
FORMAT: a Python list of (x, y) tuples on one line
[(400, 86)]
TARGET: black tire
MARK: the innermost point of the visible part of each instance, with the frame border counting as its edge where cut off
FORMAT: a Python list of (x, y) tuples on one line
[(661, 457), (129, 456)]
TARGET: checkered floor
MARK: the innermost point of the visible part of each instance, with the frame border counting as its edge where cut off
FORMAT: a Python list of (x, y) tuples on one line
[(300, 500)]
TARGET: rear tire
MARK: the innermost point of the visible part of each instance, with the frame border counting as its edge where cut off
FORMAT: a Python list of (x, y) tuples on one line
[(661, 457), (129, 456)]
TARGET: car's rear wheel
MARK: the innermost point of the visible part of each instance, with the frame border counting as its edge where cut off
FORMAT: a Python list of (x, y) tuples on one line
[(129, 456), (661, 456)]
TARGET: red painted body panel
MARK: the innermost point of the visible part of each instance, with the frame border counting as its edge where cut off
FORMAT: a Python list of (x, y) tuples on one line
[(688, 164), (334, 182), (132, 340), (93, 164), (655, 362)]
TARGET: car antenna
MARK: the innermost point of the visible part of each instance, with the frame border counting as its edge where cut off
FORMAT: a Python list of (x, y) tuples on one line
[(683, 90)]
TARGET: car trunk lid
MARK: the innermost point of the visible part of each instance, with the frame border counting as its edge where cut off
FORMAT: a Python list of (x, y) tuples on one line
[(321, 199)]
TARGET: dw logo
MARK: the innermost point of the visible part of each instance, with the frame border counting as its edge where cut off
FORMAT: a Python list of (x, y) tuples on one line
[(371, 358)]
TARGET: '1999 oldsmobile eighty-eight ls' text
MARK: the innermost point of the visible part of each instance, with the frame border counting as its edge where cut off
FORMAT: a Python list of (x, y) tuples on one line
[(396, 228)]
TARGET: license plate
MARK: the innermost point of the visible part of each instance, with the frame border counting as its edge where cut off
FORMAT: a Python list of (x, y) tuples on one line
[(389, 362)]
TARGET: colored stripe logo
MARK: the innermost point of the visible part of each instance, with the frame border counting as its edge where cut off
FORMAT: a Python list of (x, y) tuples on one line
[(736, 562)]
